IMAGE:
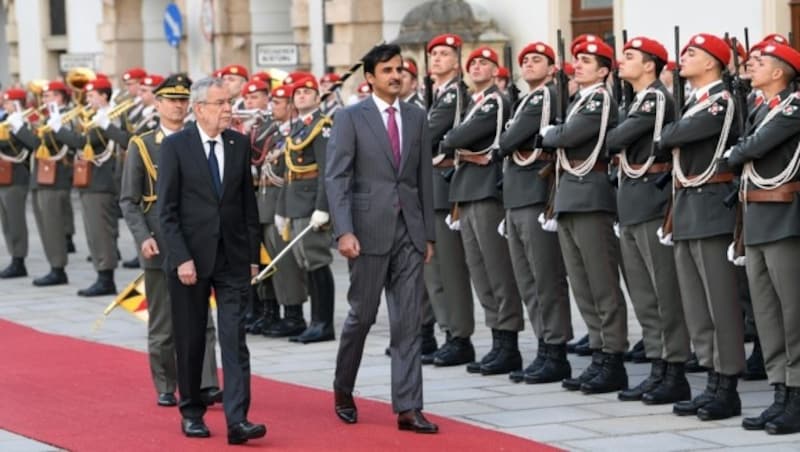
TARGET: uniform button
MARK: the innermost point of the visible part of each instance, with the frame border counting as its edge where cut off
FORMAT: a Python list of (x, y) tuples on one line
[(700, 190), (645, 179)]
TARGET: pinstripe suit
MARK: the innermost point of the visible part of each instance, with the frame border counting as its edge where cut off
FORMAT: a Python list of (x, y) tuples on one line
[(390, 211)]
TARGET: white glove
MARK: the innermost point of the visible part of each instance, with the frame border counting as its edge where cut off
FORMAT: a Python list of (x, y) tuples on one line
[(543, 131), (319, 219), (616, 229), (54, 123), (727, 153), (453, 225), (550, 225), (501, 228), (665, 240), (737, 261), (101, 119), (280, 222), (16, 121)]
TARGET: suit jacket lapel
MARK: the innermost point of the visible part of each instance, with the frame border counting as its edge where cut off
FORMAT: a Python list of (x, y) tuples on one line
[(373, 118), (196, 147)]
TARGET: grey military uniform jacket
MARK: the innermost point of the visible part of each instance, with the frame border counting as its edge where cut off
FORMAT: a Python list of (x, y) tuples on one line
[(522, 185), (770, 149), (640, 199), (54, 146), (700, 212), (106, 177), (271, 178), (300, 197), (440, 120), (472, 182)]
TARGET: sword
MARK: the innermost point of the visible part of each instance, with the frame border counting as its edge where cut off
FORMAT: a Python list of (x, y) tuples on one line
[(266, 272)]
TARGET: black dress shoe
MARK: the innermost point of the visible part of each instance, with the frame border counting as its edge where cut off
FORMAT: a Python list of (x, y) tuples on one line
[(99, 288), (572, 345), (241, 432), (132, 263), (166, 399), (345, 407), (455, 353), (772, 412), (16, 269), (210, 396), (194, 428), (317, 332), (414, 421), (54, 278), (287, 327)]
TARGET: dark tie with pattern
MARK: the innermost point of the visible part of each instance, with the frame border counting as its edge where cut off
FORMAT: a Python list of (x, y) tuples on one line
[(213, 166), (394, 136)]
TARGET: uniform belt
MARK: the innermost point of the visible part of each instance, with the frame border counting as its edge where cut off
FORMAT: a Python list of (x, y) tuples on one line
[(654, 168), (303, 176), (782, 193), (446, 163), (543, 157), (480, 159), (599, 166), (720, 178)]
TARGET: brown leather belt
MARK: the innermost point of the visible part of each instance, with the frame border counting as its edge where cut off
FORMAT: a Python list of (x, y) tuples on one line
[(303, 176), (481, 159), (654, 168), (599, 166), (543, 157), (446, 163), (783, 193), (720, 178)]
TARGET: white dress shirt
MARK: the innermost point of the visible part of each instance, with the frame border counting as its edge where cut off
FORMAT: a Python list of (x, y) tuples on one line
[(219, 149), (382, 106)]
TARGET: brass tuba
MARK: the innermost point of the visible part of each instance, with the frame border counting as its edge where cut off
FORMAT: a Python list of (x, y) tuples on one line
[(77, 78)]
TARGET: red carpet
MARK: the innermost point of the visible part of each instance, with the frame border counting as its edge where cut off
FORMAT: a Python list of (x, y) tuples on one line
[(84, 396)]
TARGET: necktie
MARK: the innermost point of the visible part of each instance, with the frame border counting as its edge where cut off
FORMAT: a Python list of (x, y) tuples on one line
[(394, 136), (213, 166)]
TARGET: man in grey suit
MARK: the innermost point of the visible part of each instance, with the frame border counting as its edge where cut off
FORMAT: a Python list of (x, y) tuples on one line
[(379, 186)]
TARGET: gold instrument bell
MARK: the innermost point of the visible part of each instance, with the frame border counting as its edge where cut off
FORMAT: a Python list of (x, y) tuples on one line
[(77, 78)]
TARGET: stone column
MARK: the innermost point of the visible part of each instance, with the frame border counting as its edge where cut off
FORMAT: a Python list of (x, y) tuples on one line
[(121, 34)]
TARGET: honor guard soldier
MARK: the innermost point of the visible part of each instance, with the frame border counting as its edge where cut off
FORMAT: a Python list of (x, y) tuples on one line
[(770, 183), (501, 80), (14, 181), (97, 170), (447, 276), (479, 209), (410, 90), (139, 207), (327, 84), (51, 182), (302, 202), (290, 284), (703, 226), (535, 253), (234, 76), (148, 119), (641, 207), (585, 206)]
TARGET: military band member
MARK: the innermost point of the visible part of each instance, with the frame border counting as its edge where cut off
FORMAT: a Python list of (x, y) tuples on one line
[(302, 202), (535, 253), (132, 79), (97, 179), (479, 209), (703, 227), (770, 184), (290, 283), (139, 207), (447, 276), (334, 100), (585, 207), (148, 119), (14, 181), (641, 206), (410, 90), (234, 76)]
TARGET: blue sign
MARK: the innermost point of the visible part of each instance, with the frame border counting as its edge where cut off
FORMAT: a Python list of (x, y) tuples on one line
[(173, 24)]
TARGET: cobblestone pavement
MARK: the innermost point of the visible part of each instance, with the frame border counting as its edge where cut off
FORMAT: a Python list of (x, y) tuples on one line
[(545, 413)]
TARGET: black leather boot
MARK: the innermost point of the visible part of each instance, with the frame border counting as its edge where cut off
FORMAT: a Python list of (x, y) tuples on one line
[(754, 369), (773, 411), (475, 366), (673, 388), (788, 421), (690, 407), (658, 370), (574, 344), (508, 357), (55, 277), (611, 377), (428, 336), (574, 384), (555, 367), (15, 269), (428, 358), (292, 323), (637, 354), (693, 365), (104, 285), (541, 352), (457, 351), (272, 315), (726, 402), (321, 290)]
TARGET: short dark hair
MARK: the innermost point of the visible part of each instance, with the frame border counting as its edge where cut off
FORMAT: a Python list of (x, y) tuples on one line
[(379, 54), (659, 63)]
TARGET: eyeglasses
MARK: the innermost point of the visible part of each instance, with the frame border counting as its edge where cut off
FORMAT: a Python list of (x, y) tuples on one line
[(219, 103)]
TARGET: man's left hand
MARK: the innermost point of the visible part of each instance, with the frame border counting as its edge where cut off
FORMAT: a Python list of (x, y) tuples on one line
[(319, 219), (428, 252)]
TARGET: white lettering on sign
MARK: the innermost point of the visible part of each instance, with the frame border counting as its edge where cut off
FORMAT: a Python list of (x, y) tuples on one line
[(276, 55)]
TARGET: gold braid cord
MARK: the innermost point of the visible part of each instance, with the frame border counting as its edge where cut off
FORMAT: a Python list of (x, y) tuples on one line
[(298, 147), (150, 198)]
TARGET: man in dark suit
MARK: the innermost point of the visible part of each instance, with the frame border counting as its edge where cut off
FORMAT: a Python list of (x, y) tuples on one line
[(209, 221), (379, 186)]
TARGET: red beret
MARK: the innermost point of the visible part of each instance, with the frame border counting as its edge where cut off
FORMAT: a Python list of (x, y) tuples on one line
[(364, 88), (56, 85), (502, 72), (536, 47), (582, 39), (739, 48), (283, 92), (153, 80), (217, 73), (569, 69), (598, 48), (97, 84), (447, 39), (486, 53), (234, 69), (14, 94), (671, 65), (712, 45), (410, 67), (331, 77), (293, 76), (262, 75), (100, 75), (306, 80), (648, 46), (255, 85), (776, 37), (784, 53), (134, 73)]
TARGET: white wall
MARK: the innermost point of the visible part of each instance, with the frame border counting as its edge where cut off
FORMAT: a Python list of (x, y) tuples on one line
[(523, 22), (83, 18), (393, 13), (158, 56), (31, 45), (270, 23), (199, 49)]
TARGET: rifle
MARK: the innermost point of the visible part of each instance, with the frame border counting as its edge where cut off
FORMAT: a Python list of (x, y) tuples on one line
[(427, 83), (747, 40), (548, 172), (513, 91), (678, 94), (460, 90)]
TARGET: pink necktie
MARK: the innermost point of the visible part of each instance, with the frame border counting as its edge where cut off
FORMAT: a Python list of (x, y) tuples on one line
[(394, 136)]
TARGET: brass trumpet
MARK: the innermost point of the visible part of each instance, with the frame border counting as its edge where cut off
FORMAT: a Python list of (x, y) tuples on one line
[(27, 113), (68, 117), (115, 112)]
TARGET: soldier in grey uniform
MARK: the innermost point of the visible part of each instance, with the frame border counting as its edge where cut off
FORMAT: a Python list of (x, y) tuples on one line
[(479, 210), (139, 206), (101, 146), (770, 184), (302, 202), (14, 180), (447, 276), (703, 227), (148, 119), (410, 89), (535, 253), (641, 206), (585, 207)]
